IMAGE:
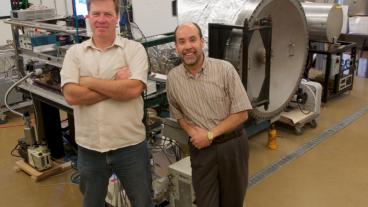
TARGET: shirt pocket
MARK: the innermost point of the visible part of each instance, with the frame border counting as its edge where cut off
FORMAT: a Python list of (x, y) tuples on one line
[(219, 107), (88, 68), (115, 65)]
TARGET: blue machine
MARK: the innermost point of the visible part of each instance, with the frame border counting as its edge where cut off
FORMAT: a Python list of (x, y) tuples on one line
[(29, 42)]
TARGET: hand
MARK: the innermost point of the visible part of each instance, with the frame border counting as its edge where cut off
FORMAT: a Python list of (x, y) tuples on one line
[(85, 81), (200, 139), (123, 73)]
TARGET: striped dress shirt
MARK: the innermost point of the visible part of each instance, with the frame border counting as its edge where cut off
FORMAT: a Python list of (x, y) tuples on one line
[(208, 98)]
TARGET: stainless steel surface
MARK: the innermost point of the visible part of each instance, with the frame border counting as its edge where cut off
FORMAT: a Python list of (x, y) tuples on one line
[(173, 131), (48, 59), (45, 26), (45, 93), (289, 36), (30, 135), (356, 7), (23, 15), (324, 21), (7, 54)]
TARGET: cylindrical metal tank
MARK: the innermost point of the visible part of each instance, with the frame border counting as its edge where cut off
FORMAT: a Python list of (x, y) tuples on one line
[(289, 43), (289, 48), (324, 21), (356, 7)]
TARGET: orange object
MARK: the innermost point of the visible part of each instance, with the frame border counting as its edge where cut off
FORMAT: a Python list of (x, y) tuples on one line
[(272, 138)]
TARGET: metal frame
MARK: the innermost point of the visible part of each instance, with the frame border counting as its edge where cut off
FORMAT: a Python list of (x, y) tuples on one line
[(218, 37), (48, 103), (345, 46)]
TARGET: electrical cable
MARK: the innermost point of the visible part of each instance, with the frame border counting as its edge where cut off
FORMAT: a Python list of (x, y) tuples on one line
[(302, 109), (15, 125), (62, 173), (170, 155), (55, 184), (176, 145), (73, 162), (164, 153), (58, 183), (21, 4), (129, 23), (146, 45), (13, 151)]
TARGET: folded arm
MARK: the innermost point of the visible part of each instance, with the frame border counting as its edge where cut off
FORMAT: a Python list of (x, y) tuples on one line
[(116, 89), (78, 95)]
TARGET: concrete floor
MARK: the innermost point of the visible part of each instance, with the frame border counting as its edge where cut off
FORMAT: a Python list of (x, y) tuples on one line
[(334, 173)]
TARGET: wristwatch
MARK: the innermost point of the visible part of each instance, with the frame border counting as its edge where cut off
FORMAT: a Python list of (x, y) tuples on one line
[(210, 135)]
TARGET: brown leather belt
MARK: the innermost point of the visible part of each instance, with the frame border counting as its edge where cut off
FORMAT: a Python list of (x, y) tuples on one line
[(231, 135)]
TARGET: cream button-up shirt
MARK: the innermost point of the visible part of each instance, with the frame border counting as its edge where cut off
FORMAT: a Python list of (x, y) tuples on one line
[(109, 124)]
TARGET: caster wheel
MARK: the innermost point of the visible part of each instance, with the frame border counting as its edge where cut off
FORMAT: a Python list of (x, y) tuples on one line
[(3, 121), (313, 123), (298, 130)]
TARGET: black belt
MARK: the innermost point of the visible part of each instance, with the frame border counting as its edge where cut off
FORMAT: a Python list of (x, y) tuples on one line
[(231, 135)]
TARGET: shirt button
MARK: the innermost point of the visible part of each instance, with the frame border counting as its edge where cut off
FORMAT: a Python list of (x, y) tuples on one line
[(205, 110), (197, 81), (200, 96)]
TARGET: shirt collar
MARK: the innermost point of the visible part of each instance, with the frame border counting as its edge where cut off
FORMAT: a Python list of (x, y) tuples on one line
[(203, 70), (119, 41)]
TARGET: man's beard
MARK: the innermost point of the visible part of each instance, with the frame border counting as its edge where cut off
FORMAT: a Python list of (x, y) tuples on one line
[(193, 60)]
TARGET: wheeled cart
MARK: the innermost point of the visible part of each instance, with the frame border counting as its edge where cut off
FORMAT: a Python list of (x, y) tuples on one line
[(298, 119)]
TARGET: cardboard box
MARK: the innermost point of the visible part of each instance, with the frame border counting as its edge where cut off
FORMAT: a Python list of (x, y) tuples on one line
[(358, 25), (364, 55), (362, 67)]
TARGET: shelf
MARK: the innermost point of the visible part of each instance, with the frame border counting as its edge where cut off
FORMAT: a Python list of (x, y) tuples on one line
[(45, 26), (7, 54), (48, 59), (355, 35), (51, 98)]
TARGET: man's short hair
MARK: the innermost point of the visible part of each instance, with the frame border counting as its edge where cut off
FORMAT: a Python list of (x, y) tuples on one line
[(116, 2), (195, 24)]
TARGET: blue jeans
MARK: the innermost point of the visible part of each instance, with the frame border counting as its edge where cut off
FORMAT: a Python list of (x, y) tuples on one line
[(130, 164)]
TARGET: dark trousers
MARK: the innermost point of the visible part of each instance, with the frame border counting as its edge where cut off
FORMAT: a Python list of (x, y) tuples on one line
[(220, 173), (130, 164)]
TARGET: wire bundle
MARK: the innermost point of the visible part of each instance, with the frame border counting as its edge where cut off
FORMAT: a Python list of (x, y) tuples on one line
[(73, 162)]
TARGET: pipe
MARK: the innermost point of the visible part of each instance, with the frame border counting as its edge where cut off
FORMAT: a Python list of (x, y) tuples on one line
[(37, 72), (66, 8), (156, 118), (76, 20), (55, 8)]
